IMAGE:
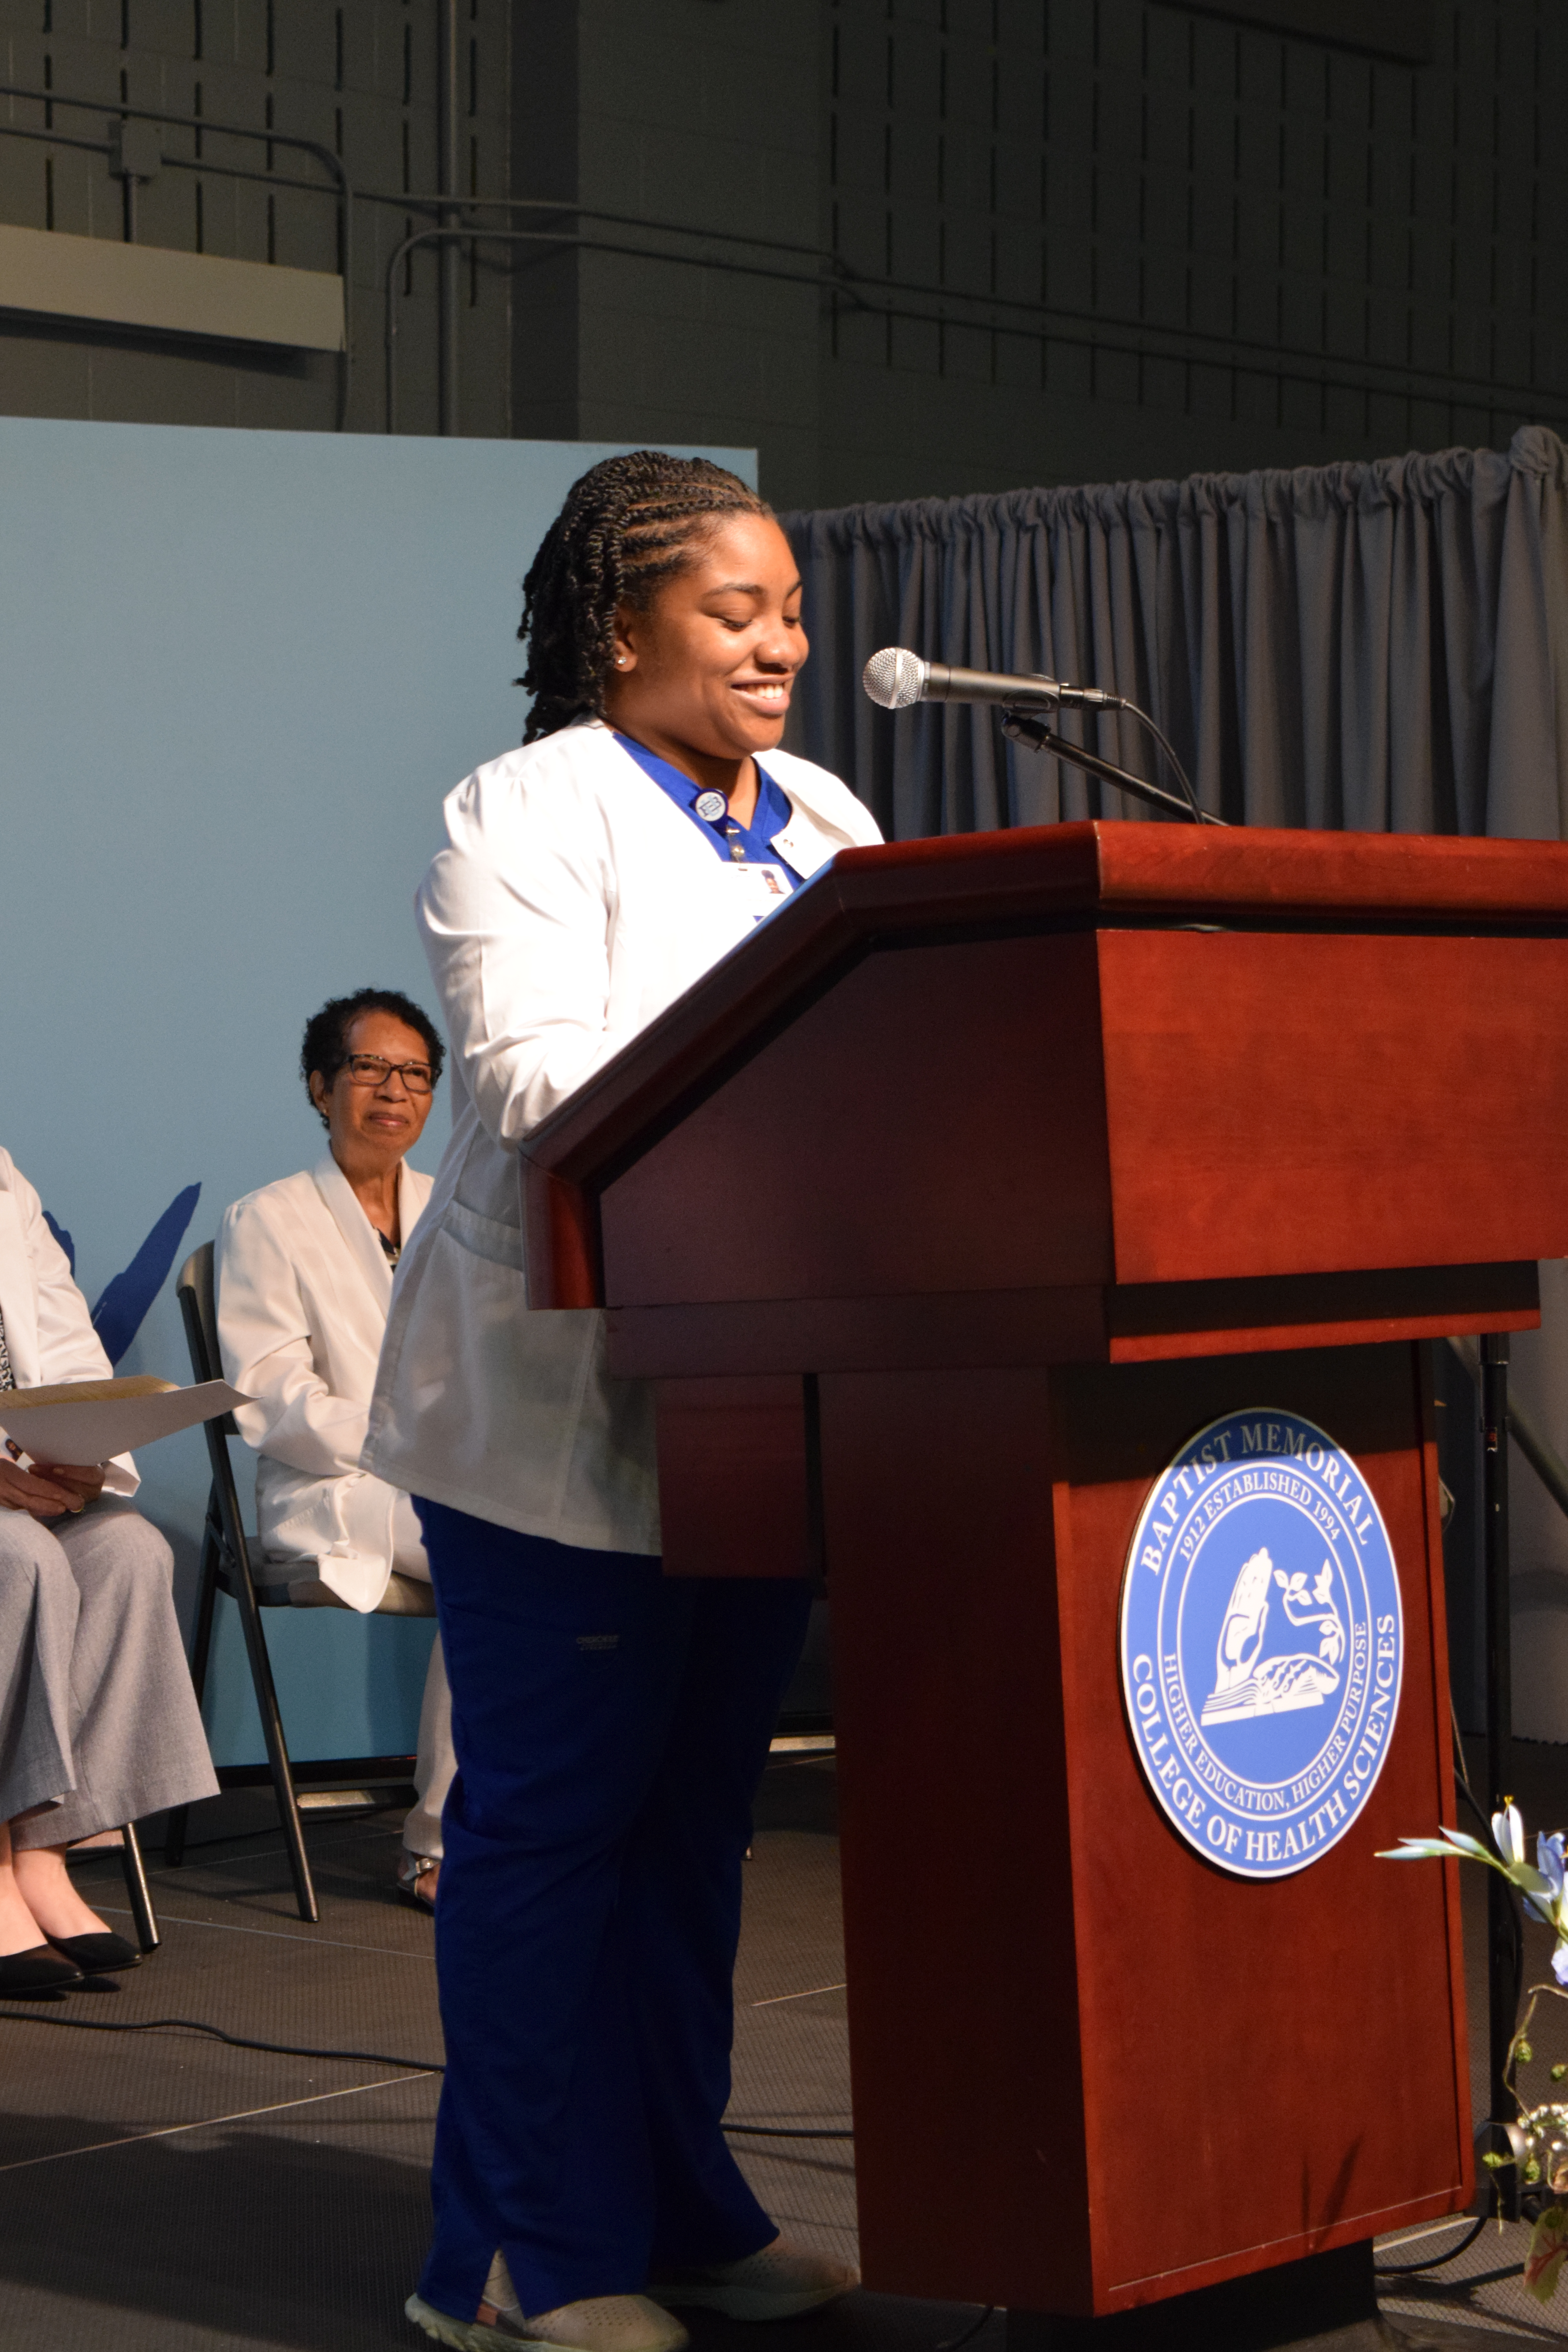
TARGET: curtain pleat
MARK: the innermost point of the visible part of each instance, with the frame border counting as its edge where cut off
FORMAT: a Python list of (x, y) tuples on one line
[(1382, 648)]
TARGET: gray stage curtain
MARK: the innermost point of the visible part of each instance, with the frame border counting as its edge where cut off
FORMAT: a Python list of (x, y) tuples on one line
[(1383, 647)]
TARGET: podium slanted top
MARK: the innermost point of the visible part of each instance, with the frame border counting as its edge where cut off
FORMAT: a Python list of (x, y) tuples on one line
[(1096, 1056)]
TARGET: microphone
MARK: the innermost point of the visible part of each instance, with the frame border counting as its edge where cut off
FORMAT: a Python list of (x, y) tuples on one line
[(897, 679)]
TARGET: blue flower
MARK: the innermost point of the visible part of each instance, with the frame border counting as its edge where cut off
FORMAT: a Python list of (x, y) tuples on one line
[(1547, 1905)]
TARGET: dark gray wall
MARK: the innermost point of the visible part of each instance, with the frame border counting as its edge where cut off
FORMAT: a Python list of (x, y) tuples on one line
[(359, 78), (700, 114), (1036, 241), (1166, 242), (902, 245)]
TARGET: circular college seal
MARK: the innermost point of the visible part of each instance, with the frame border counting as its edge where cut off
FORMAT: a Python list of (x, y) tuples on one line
[(1262, 1643)]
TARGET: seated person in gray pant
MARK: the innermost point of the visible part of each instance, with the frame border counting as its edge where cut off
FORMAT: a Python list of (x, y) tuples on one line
[(99, 1724)]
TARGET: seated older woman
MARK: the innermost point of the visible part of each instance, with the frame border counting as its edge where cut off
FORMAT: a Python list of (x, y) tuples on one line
[(99, 1724), (304, 1281)]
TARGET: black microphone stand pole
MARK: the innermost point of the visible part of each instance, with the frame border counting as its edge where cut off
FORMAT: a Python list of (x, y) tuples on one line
[(1020, 728), (1504, 1929)]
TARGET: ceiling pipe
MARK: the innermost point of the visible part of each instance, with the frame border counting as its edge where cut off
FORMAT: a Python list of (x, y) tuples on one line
[(449, 252)]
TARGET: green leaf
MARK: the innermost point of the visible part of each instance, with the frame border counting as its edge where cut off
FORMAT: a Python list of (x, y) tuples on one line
[(1468, 1844), (1523, 2053), (1544, 2264)]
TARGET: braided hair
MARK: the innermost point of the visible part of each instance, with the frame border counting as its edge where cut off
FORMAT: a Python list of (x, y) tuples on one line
[(628, 525)]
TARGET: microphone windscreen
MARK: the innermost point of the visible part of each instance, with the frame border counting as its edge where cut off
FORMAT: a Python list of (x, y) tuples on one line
[(895, 678)]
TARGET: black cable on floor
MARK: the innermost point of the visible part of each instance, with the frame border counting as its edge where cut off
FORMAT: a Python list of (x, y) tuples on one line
[(356, 2057), (1408, 2270), (957, 2342), (789, 2131), (235, 2040), (1465, 2287)]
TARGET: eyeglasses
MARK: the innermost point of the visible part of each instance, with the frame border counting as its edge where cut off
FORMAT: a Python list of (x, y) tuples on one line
[(374, 1069)]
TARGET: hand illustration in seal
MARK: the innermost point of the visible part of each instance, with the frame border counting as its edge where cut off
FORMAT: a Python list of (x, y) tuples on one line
[(1247, 1684)]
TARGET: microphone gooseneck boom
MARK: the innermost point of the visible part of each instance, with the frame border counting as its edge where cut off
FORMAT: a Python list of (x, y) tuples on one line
[(898, 680)]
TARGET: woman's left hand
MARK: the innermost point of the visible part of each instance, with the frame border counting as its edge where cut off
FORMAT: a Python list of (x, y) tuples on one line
[(83, 1478)]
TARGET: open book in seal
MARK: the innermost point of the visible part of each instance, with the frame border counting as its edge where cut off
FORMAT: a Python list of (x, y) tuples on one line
[(92, 1420)]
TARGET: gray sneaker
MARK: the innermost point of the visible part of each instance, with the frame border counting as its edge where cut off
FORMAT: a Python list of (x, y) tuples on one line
[(600, 2322), (775, 2282), (461, 2335), (607, 2323)]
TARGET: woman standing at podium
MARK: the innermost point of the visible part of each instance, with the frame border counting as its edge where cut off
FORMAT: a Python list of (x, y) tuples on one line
[(610, 1725)]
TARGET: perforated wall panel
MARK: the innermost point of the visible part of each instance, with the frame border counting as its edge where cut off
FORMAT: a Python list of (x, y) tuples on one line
[(1134, 201)]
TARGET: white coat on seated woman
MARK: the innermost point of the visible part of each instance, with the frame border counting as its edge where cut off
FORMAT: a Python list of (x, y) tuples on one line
[(304, 1282), (303, 1289)]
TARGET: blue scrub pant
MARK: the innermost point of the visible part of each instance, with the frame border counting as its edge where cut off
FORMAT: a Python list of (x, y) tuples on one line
[(610, 1726)]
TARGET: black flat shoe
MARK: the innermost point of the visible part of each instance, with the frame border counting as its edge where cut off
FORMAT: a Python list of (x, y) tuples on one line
[(35, 1971), (95, 1955)]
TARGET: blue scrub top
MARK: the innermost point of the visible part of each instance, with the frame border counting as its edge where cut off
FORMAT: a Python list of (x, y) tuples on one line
[(756, 840)]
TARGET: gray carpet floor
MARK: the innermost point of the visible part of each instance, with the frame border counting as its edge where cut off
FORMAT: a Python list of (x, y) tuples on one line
[(164, 2190)]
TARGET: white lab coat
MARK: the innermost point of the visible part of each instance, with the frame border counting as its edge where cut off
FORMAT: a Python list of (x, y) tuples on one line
[(303, 1287), (48, 1330), (573, 903)]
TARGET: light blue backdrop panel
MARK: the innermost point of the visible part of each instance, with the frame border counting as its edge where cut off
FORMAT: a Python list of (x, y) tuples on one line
[(239, 672)]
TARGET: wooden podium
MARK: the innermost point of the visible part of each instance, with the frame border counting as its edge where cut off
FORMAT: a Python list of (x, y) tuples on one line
[(942, 1213)]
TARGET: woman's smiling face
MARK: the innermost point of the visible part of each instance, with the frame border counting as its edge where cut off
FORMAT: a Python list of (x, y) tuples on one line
[(710, 665), (375, 1123)]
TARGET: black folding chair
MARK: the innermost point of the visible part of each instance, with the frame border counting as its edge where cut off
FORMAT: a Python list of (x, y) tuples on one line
[(226, 1564), (138, 1891), (136, 1886)]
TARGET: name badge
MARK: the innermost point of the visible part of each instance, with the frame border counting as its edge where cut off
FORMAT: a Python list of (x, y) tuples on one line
[(763, 889)]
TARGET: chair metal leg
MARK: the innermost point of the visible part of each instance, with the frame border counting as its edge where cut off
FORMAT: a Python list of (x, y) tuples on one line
[(197, 1307), (277, 1747), (200, 1649), (137, 1888)]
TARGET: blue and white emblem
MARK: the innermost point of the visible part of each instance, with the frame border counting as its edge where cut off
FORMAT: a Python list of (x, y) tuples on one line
[(1262, 1643)]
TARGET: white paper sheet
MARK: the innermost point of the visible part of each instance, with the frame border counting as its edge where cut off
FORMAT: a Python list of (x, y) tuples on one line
[(96, 1426)]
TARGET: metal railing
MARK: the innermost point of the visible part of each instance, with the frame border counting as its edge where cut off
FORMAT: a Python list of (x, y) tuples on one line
[(204, 126)]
